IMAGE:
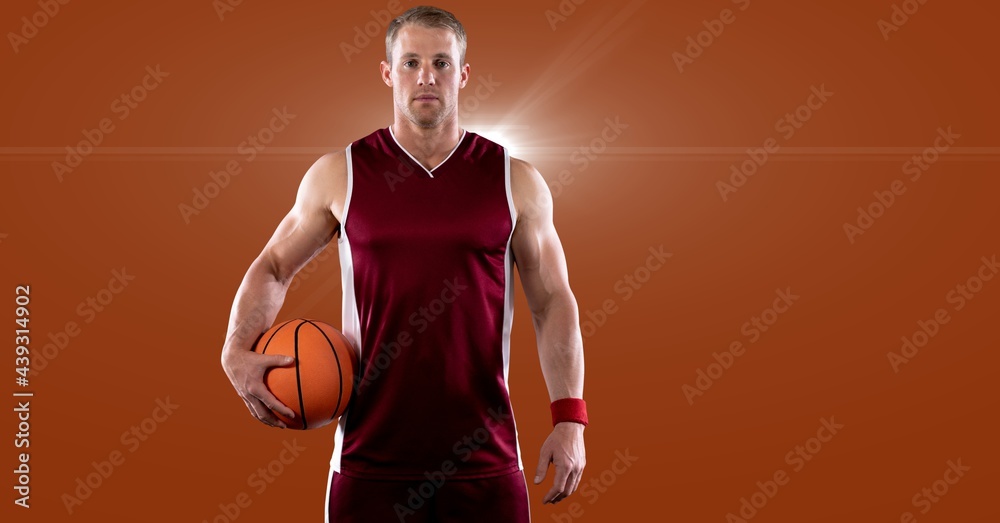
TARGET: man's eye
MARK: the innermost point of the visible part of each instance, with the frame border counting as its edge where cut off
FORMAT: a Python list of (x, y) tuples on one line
[(443, 63)]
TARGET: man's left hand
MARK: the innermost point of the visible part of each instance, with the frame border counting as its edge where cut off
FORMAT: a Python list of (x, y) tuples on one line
[(565, 449)]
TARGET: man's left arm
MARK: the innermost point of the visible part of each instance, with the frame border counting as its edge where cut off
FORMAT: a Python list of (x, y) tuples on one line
[(541, 262)]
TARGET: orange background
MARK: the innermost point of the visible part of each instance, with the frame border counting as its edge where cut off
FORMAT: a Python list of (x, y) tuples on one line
[(655, 185)]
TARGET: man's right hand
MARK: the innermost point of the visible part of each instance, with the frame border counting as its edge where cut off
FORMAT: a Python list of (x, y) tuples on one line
[(246, 372)]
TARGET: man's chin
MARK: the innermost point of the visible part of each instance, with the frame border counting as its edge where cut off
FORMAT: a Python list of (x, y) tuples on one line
[(427, 122), (425, 118)]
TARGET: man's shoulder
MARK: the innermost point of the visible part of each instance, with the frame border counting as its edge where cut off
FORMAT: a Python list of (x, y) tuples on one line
[(330, 166), (528, 189), (325, 183), (524, 177)]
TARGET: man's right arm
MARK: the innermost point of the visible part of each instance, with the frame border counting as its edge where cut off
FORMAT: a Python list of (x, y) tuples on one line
[(302, 234)]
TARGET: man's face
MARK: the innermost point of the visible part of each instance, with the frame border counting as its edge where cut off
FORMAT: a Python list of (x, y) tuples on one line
[(425, 75)]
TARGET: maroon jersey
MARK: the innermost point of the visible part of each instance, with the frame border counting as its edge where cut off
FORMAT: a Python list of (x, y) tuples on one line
[(428, 302)]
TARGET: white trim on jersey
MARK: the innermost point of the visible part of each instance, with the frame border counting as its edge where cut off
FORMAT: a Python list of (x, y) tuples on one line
[(508, 295), (429, 172), (329, 484), (527, 494), (350, 321)]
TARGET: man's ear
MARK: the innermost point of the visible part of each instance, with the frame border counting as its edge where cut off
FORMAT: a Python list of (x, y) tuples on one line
[(385, 71), (466, 74)]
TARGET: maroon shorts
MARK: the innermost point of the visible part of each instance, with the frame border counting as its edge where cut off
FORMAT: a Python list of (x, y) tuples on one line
[(500, 499)]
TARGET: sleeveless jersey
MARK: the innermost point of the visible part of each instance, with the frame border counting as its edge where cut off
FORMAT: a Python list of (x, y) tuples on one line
[(428, 302)]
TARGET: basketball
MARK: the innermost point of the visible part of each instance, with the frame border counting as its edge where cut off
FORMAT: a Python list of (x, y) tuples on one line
[(319, 385)]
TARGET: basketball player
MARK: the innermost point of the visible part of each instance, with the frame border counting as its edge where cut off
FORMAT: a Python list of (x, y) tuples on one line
[(429, 219)]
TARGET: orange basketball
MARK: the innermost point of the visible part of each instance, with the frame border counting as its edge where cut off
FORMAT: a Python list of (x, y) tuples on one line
[(319, 385)]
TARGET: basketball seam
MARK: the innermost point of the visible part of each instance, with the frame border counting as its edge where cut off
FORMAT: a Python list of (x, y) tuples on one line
[(273, 334), (340, 372), (298, 378)]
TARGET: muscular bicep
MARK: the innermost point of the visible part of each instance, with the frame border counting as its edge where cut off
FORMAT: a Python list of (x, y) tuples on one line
[(538, 252), (310, 224)]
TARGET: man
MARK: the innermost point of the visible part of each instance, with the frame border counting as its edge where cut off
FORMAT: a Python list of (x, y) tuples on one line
[(431, 219)]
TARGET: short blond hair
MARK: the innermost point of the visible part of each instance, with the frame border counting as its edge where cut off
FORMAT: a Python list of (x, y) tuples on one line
[(430, 17)]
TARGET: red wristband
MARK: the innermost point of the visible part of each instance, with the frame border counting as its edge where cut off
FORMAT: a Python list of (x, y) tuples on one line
[(569, 409)]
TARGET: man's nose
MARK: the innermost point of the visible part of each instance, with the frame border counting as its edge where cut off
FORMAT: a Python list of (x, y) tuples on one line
[(425, 76)]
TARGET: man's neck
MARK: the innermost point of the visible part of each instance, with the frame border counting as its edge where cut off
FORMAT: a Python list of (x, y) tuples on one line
[(429, 146)]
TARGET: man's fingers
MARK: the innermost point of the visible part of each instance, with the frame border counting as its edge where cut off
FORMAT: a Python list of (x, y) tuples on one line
[(262, 403), (261, 412), (576, 481), (270, 401), (246, 371), (275, 360), (554, 495), (574, 478), (543, 464), (558, 490)]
